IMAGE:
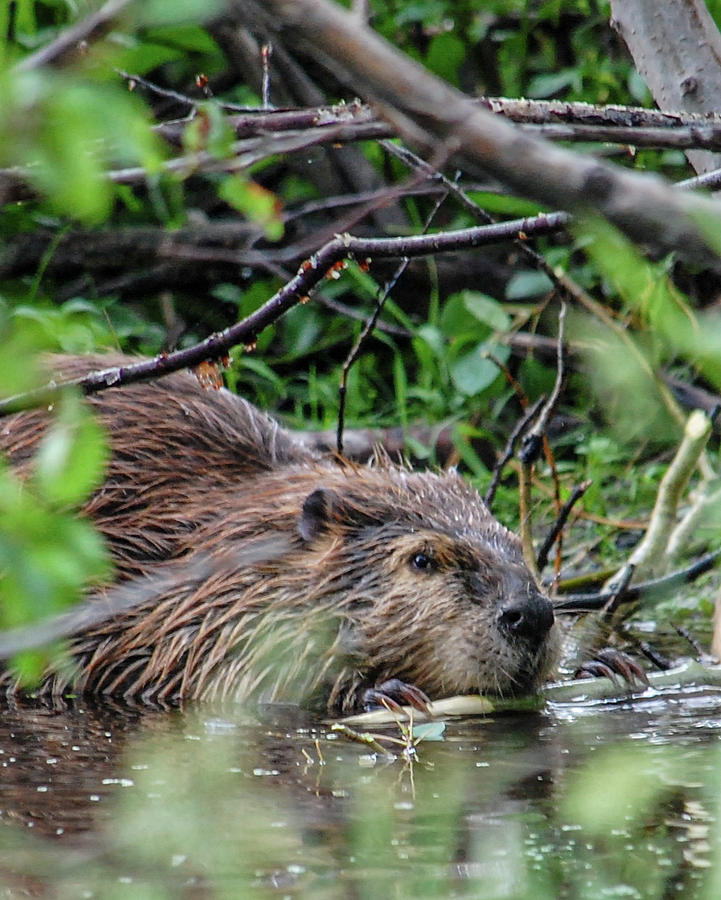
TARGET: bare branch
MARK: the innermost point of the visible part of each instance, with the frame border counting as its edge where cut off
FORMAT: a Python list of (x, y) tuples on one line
[(676, 47), (426, 111), (555, 120), (655, 588), (67, 43), (650, 553), (546, 112)]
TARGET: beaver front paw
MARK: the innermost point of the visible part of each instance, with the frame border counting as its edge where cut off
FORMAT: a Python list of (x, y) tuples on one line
[(393, 695), (611, 663)]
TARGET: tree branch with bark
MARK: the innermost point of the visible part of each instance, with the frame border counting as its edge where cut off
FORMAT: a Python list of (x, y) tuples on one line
[(432, 115)]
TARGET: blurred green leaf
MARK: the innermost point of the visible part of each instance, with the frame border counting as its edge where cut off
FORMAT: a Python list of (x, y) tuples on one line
[(258, 204), (141, 57), (152, 13), (209, 130), (473, 372), (620, 788), (47, 554), (487, 310), (71, 458), (66, 132), (186, 36), (621, 371), (445, 56), (547, 85), (523, 285)]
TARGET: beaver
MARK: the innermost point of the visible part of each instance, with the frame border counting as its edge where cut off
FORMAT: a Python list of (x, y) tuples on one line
[(250, 566)]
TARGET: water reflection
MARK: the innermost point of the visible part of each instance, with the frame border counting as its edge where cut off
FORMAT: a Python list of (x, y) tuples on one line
[(612, 799)]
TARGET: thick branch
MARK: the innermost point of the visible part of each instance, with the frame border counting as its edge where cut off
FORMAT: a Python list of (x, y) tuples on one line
[(435, 116), (676, 47)]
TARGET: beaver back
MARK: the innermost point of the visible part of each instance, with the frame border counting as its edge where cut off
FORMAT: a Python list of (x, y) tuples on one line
[(173, 443)]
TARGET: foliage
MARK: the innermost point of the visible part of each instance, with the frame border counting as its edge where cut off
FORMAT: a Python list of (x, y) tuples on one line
[(64, 127), (47, 554)]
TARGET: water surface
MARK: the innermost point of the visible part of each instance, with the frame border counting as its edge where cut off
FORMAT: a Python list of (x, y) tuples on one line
[(598, 799)]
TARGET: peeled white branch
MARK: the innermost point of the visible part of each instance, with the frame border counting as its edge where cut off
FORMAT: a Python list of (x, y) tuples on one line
[(650, 553)]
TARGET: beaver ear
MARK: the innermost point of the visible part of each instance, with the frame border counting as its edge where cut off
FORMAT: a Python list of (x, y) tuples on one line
[(318, 509)]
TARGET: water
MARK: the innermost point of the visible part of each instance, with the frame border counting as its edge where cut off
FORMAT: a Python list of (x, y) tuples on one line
[(599, 799)]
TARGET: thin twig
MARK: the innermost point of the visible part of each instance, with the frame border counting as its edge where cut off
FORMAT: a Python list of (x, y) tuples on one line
[(560, 523), (266, 51), (294, 291), (68, 41), (520, 427), (572, 603), (532, 445), (617, 589), (152, 88), (370, 325), (683, 632), (351, 313)]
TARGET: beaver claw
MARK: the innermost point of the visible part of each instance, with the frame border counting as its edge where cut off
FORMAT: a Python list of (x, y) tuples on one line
[(610, 663), (393, 694)]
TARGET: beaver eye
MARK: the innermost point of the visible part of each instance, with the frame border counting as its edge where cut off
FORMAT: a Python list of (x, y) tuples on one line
[(422, 562)]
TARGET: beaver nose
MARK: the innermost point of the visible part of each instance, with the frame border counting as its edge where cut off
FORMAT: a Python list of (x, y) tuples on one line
[(530, 618)]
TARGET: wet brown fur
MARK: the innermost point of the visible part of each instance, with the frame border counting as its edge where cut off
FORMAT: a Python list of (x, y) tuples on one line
[(233, 583)]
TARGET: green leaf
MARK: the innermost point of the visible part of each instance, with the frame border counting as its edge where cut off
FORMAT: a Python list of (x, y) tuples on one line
[(429, 731), (71, 458), (25, 21), (141, 57), (427, 336), (553, 83), (523, 285), (400, 383), (29, 666), (71, 130), (457, 321), (258, 204), (187, 37), (487, 310), (506, 205), (473, 372), (210, 131), (174, 12), (302, 327), (445, 56), (260, 368)]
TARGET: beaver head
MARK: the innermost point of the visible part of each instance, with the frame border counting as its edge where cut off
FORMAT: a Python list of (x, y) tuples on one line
[(434, 590)]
